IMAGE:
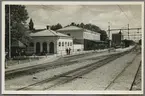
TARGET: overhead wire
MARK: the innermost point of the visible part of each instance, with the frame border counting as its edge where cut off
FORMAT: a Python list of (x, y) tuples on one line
[(127, 17)]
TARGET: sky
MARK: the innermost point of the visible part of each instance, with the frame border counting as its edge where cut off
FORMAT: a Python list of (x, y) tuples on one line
[(118, 15)]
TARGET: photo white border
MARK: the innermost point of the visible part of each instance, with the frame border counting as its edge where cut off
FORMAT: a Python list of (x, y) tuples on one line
[(68, 3)]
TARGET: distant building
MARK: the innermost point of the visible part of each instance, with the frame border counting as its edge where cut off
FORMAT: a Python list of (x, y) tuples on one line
[(117, 38), (17, 48), (83, 38), (50, 42)]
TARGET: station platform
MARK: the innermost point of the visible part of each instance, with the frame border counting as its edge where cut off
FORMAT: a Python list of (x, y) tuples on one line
[(54, 57)]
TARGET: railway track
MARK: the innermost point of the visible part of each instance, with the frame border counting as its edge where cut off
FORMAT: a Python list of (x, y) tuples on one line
[(133, 83), (72, 74), (120, 73), (66, 61)]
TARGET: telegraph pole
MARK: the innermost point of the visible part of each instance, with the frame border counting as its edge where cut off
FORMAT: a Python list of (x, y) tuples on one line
[(9, 33), (134, 35), (128, 31), (109, 33), (138, 34)]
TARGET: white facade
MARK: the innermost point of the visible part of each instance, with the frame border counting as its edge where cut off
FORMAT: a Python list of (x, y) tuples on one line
[(49, 41), (63, 44), (78, 47)]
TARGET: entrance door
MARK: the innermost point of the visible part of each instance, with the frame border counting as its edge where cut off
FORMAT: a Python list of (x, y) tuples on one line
[(51, 47), (37, 48), (45, 47)]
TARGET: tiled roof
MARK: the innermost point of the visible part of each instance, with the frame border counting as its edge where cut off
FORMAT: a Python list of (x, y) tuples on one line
[(70, 28), (48, 33)]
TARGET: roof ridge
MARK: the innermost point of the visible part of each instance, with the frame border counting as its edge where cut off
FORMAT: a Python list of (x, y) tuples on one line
[(53, 32)]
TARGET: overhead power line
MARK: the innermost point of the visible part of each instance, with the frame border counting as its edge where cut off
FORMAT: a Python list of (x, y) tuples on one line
[(125, 14)]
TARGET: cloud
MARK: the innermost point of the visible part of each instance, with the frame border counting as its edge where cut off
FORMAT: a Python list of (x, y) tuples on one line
[(99, 15)]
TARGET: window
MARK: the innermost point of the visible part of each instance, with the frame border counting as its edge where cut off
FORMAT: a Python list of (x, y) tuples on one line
[(59, 43), (62, 43), (68, 43), (65, 43), (31, 44)]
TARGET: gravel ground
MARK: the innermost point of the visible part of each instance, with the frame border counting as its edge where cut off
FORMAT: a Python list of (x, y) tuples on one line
[(26, 80), (138, 80), (126, 78), (98, 79), (88, 81)]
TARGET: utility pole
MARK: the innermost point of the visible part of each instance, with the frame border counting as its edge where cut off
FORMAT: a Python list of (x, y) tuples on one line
[(9, 33), (128, 35), (134, 35), (128, 31), (138, 34), (109, 33)]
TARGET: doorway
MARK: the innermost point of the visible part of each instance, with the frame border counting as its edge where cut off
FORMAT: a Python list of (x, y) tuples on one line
[(44, 47), (51, 47), (37, 48)]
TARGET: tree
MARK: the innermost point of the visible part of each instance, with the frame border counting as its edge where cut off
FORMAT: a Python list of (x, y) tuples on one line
[(56, 27), (82, 25), (103, 35), (31, 25), (73, 24), (18, 17)]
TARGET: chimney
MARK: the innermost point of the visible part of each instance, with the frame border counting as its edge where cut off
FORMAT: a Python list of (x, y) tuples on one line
[(48, 27)]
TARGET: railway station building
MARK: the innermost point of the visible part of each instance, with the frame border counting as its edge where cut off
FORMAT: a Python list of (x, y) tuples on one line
[(50, 42), (83, 39)]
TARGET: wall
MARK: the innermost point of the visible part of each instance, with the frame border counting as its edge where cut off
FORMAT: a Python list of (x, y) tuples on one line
[(75, 34), (68, 43), (80, 35), (44, 39), (78, 47), (91, 36)]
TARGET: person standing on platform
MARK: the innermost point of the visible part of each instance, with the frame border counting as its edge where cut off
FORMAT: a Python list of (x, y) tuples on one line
[(69, 51)]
